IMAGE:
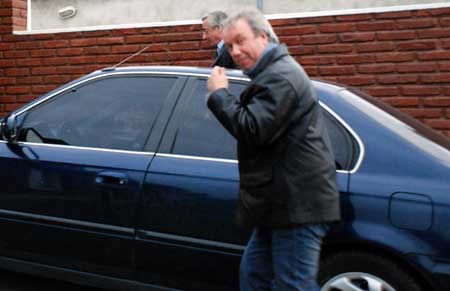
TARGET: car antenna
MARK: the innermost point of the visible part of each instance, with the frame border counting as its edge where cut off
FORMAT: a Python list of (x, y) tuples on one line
[(112, 68)]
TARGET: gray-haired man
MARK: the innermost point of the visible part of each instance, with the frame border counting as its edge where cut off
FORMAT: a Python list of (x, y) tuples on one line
[(288, 192), (212, 31)]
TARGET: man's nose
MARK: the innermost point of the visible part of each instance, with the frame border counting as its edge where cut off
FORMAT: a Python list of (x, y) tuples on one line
[(235, 50)]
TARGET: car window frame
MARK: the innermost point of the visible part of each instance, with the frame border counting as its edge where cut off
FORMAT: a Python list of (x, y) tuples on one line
[(153, 137), (357, 161), (174, 121), (350, 144)]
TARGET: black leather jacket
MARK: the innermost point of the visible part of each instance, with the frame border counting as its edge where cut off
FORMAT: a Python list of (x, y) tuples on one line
[(286, 165)]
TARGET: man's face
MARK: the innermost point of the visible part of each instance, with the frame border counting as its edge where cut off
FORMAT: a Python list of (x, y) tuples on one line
[(213, 35), (244, 46)]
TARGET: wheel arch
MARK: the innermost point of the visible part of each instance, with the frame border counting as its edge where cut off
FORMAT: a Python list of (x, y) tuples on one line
[(334, 248)]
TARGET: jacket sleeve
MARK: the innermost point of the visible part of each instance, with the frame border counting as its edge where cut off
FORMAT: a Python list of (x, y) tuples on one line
[(264, 118)]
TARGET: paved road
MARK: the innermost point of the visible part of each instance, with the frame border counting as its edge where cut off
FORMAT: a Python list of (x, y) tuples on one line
[(19, 282)]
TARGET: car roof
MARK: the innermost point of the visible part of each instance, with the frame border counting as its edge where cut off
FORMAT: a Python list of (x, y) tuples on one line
[(187, 70), (172, 69)]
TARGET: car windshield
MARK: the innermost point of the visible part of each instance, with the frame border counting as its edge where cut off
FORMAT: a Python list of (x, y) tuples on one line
[(418, 126)]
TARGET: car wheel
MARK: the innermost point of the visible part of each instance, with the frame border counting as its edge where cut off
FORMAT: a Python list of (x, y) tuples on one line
[(349, 271)]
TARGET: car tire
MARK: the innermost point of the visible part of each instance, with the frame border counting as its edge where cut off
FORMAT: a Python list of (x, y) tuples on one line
[(347, 271)]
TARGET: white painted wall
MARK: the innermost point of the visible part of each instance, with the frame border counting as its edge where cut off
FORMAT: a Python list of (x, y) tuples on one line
[(126, 12), (113, 12)]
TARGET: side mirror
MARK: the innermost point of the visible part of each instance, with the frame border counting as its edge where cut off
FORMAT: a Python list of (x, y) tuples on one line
[(9, 128)]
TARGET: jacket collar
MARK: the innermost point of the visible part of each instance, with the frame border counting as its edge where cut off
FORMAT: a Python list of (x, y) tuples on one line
[(271, 53), (219, 47)]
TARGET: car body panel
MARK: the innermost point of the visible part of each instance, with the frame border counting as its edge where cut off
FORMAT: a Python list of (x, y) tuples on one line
[(56, 203)]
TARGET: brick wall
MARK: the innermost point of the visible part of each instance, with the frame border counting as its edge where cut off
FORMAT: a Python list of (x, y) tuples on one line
[(403, 58)]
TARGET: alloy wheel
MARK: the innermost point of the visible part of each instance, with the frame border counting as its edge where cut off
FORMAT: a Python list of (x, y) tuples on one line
[(356, 281)]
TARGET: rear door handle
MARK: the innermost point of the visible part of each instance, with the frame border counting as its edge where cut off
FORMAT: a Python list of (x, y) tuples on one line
[(111, 179)]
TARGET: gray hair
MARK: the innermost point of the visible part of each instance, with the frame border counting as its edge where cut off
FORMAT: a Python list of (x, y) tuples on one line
[(216, 19), (257, 22)]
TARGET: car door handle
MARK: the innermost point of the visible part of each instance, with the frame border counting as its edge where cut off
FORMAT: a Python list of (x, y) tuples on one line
[(111, 179)]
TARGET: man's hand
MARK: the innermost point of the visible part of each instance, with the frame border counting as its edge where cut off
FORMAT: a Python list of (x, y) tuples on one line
[(217, 80)]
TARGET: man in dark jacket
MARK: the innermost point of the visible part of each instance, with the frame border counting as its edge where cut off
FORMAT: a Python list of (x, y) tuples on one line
[(288, 192), (212, 31)]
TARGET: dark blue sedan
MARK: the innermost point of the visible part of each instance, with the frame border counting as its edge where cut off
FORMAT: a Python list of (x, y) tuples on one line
[(123, 179)]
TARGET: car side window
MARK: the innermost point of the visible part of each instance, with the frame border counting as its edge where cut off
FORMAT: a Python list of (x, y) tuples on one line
[(344, 146), (199, 133), (115, 113)]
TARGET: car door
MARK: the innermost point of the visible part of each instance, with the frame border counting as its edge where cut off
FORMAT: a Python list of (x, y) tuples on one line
[(74, 178), (186, 229)]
